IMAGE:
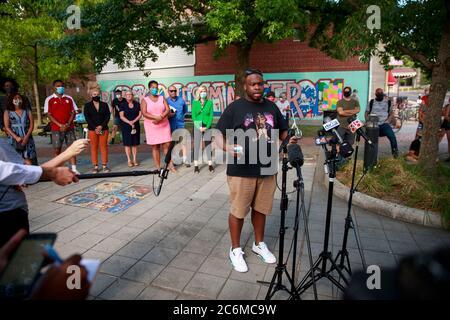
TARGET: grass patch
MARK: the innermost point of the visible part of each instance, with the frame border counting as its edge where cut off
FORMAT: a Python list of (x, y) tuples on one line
[(397, 181)]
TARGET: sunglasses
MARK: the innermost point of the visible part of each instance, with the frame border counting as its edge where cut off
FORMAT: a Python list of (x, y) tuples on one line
[(253, 71), (172, 90)]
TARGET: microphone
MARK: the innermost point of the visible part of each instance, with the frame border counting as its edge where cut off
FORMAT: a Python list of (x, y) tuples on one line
[(355, 125), (165, 171), (295, 155), (331, 125), (291, 133)]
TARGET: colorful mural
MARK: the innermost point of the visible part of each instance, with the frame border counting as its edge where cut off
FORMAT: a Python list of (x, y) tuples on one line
[(109, 196), (308, 93)]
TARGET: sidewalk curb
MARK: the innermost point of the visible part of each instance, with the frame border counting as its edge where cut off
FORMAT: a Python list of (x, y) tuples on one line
[(382, 207)]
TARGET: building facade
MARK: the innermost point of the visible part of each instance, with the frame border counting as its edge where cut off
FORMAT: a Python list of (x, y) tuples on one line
[(312, 81)]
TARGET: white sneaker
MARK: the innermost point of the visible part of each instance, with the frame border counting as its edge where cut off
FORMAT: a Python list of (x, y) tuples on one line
[(76, 172), (263, 252), (237, 260)]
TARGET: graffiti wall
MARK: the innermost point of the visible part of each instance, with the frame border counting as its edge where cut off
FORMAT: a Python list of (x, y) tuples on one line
[(308, 93)]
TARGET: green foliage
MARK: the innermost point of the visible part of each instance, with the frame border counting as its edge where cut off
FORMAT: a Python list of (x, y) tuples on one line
[(28, 27), (242, 22)]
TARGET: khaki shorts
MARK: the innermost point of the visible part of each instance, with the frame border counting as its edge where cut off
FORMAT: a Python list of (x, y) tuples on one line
[(249, 192)]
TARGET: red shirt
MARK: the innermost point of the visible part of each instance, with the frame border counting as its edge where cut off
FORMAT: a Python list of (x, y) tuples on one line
[(61, 109)]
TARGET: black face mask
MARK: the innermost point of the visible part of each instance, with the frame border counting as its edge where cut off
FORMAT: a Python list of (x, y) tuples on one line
[(96, 98), (379, 96), (347, 94)]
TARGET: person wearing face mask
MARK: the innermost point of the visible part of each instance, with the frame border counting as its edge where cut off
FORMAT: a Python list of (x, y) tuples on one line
[(155, 110), (97, 116), (130, 114), (202, 116), (19, 124), (283, 105), (60, 109), (346, 107), (178, 110), (8, 86), (382, 108), (116, 106)]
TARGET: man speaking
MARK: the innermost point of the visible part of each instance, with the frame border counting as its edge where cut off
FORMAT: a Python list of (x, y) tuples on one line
[(251, 178)]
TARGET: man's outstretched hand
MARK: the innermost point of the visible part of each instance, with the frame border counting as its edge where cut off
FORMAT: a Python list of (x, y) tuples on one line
[(60, 175)]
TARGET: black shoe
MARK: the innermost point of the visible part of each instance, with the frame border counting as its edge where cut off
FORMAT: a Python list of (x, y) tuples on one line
[(196, 170), (211, 169), (448, 159), (187, 164), (395, 153)]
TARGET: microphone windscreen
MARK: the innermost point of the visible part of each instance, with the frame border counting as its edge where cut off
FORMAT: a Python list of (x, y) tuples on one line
[(295, 154)]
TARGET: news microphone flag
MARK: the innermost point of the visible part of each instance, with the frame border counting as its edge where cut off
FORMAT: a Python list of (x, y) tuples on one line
[(355, 125)]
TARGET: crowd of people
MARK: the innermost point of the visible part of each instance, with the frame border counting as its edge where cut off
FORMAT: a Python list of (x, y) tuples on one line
[(251, 184)]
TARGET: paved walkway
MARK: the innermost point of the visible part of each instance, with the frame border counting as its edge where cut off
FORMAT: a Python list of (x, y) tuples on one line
[(175, 246)]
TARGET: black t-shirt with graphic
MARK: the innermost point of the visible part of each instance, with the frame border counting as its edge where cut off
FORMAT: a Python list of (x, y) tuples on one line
[(256, 120)]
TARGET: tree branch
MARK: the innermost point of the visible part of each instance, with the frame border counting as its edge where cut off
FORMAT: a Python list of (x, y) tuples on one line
[(416, 56)]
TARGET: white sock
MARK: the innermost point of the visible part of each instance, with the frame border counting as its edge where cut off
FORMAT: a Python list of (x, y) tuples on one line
[(74, 167), (195, 163), (210, 163)]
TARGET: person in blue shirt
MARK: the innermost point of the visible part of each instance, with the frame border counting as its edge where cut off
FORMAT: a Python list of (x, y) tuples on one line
[(178, 109)]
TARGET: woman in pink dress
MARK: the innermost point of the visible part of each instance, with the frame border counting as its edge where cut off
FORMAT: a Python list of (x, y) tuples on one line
[(156, 124)]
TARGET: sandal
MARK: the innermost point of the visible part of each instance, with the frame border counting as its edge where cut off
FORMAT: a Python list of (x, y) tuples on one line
[(95, 170), (136, 164), (130, 164)]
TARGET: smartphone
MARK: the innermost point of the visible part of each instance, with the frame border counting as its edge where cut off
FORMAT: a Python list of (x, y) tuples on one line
[(23, 269), (85, 133)]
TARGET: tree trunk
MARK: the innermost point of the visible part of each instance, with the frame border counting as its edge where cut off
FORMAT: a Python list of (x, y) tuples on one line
[(432, 114), (432, 119), (242, 63), (35, 87)]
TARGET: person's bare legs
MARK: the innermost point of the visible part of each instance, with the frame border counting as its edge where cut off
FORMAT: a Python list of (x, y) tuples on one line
[(28, 162), (156, 156), (134, 152), (113, 133), (235, 225), (259, 224), (128, 151)]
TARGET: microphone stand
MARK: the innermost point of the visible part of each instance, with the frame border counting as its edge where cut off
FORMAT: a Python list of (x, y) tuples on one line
[(276, 284), (321, 263), (343, 254)]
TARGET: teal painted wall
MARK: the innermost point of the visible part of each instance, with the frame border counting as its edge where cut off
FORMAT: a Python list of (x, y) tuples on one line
[(310, 93)]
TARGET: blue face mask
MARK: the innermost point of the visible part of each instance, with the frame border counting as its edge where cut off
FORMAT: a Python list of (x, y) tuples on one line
[(60, 90), (154, 91)]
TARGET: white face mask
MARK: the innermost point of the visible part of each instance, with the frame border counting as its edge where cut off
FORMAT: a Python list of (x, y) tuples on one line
[(203, 95), (17, 102)]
